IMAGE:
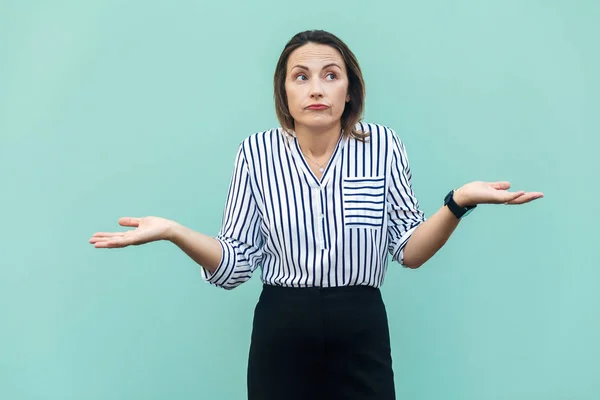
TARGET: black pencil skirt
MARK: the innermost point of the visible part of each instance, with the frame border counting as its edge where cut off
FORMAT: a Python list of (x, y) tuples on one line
[(320, 343)]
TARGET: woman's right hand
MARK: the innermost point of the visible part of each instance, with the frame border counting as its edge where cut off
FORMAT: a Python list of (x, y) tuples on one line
[(148, 229)]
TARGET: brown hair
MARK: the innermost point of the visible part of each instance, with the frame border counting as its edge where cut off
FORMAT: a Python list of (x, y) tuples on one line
[(356, 86)]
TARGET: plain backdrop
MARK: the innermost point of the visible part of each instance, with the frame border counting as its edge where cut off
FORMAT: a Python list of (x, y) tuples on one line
[(131, 108)]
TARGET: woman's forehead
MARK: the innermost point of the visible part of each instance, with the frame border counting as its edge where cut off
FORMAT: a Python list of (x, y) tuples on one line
[(315, 55)]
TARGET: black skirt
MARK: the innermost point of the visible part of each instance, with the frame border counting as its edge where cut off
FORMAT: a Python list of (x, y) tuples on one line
[(320, 343)]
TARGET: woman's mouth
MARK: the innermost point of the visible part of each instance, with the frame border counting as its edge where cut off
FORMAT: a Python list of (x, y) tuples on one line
[(317, 107)]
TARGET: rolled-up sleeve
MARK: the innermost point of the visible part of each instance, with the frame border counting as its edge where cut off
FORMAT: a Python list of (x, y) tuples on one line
[(403, 210), (240, 236)]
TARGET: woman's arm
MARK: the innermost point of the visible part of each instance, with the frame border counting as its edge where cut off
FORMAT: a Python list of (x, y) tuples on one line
[(227, 260), (433, 233), (429, 237), (203, 249)]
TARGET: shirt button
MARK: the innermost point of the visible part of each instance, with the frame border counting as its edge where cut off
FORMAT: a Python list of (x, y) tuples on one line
[(321, 215)]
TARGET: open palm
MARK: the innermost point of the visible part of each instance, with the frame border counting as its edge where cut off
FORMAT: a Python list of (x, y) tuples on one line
[(148, 229), (479, 192)]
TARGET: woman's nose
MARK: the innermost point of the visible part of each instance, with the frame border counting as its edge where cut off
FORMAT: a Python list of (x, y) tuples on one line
[(316, 90)]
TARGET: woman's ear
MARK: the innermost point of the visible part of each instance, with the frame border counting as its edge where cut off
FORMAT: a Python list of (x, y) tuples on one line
[(347, 98)]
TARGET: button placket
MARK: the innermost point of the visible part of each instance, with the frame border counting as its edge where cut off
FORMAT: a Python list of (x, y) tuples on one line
[(321, 217)]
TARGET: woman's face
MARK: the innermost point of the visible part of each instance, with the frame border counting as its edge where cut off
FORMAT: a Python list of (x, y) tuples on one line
[(316, 85)]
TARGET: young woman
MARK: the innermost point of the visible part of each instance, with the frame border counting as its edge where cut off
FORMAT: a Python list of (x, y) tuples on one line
[(318, 203)]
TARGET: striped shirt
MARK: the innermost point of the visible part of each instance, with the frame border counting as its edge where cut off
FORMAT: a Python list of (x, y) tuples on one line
[(302, 231)]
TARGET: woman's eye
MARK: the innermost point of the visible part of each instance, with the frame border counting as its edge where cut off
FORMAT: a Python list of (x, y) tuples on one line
[(332, 75), (299, 77)]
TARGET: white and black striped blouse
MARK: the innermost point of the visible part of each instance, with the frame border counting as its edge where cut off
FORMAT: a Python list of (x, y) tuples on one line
[(305, 232)]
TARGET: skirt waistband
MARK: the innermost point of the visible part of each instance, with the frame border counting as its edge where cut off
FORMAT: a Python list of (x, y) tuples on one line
[(347, 293)]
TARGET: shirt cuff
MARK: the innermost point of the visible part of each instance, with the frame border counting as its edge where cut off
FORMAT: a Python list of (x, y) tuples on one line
[(224, 269), (399, 249)]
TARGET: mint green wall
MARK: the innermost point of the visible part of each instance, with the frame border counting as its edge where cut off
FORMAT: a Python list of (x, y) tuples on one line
[(114, 108)]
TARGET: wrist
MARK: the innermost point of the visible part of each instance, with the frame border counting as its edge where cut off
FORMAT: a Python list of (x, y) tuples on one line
[(172, 231), (461, 199)]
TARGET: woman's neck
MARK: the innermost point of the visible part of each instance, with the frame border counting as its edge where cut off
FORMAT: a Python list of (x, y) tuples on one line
[(318, 144)]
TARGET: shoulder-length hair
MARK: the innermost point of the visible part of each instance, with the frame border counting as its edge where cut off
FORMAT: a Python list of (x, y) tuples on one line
[(356, 86)]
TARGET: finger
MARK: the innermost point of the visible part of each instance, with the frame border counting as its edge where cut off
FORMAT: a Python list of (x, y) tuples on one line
[(103, 236), (107, 234), (96, 240), (113, 243), (108, 245), (129, 221), (101, 244), (508, 197), (526, 198), (100, 240)]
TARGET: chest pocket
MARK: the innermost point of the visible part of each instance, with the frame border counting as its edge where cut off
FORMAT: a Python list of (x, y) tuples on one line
[(364, 201)]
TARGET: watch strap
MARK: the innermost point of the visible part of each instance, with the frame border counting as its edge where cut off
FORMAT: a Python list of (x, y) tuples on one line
[(457, 210)]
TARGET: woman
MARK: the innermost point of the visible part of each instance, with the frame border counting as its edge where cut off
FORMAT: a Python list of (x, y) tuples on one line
[(318, 204)]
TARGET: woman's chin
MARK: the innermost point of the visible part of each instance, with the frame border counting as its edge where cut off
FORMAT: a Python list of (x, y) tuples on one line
[(318, 123)]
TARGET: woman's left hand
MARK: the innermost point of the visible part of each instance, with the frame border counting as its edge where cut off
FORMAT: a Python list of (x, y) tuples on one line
[(479, 192)]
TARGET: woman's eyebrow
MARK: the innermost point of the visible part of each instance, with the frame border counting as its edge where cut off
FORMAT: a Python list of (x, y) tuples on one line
[(324, 67), (331, 65)]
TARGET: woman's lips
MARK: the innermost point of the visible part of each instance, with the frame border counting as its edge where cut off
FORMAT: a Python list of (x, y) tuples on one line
[(317, 107)]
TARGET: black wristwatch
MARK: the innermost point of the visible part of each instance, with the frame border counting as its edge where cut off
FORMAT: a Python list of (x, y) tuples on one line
[(457, 210)]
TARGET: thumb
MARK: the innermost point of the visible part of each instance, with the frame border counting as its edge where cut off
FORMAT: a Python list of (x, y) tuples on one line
[(129, 221), (501, 185)]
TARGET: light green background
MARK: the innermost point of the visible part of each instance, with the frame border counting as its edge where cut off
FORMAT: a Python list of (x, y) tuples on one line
[(114, 108)]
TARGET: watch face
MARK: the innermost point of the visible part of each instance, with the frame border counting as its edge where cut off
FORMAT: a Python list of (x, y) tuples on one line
[(448, 197)]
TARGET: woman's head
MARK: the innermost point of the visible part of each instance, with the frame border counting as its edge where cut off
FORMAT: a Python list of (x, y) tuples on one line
[(316, 67)]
